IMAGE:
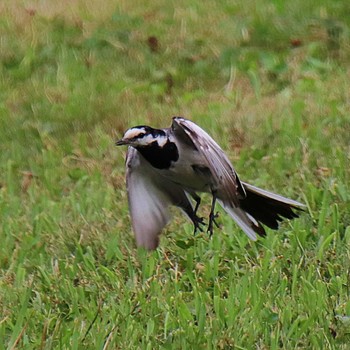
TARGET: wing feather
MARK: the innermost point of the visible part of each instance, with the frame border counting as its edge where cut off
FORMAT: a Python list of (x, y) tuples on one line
[(149, 196), (245, 221), (228, 185)]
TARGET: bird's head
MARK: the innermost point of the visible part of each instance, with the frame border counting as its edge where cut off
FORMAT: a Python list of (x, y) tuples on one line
[(143, 136)]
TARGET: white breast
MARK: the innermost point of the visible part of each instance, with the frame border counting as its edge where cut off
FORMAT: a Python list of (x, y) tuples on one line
[(182, 171)]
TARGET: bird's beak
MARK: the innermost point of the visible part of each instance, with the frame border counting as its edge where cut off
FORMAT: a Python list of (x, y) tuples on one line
[(121, 142)]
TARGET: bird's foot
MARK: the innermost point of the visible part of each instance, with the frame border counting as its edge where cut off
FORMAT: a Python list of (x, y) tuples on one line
[(197, 222), (212, 221)]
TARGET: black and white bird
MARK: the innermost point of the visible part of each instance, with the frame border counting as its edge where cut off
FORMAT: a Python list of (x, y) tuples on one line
[(168, 166)]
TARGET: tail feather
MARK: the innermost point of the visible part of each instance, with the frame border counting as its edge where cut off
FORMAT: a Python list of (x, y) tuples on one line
[(267, 207), (261, 207)]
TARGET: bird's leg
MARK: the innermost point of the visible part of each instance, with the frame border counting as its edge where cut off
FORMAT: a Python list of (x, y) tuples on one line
[(197, 200), (196, 220), (212, 216)]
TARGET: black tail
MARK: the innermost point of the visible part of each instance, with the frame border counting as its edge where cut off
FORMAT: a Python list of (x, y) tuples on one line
[(268, 208)]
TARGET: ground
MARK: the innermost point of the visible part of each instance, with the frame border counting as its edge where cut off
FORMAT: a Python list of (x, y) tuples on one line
[(268, 79)]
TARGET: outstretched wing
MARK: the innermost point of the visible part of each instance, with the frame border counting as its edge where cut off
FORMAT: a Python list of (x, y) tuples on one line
[(228, 186), (149, 196)]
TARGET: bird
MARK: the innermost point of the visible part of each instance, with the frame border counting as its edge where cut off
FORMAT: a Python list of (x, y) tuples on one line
[(171, 166)]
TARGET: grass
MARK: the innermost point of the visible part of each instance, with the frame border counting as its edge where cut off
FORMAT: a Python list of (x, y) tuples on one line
[(269, 80)]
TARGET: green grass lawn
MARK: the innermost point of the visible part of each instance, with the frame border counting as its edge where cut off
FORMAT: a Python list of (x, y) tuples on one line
[(268, 79)]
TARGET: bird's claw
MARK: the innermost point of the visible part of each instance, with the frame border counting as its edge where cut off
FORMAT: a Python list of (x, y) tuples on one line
[(197, 221)]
